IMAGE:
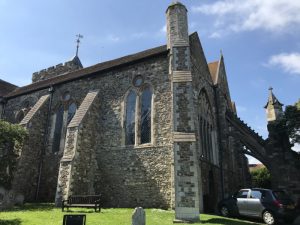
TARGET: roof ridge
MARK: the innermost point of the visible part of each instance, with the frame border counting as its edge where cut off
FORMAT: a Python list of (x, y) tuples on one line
[(103, 66)]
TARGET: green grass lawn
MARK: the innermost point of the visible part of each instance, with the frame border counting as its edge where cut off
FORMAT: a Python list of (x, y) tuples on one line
[(47, 214)]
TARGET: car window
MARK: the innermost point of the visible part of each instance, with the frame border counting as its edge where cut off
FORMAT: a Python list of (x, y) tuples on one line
[(281, 195), (242, 194), (256, 194)]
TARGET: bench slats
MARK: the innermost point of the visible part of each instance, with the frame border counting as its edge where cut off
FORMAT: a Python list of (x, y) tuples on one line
[(84, 201)]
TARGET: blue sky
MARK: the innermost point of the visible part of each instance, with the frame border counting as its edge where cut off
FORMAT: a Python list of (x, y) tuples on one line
[(259, 40)]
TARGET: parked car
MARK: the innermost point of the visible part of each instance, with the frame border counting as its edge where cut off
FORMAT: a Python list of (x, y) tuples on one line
[(270, 205)]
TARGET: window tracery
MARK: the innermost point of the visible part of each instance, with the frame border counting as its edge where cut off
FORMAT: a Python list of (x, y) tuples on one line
[(138, 111), (206, 129)]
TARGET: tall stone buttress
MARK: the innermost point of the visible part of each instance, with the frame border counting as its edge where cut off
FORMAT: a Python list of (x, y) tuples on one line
[(186, 172)]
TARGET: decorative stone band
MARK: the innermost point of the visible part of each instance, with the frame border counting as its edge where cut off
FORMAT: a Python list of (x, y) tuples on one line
[(184, 137), (34, 110), (180, 43), (182, 76)]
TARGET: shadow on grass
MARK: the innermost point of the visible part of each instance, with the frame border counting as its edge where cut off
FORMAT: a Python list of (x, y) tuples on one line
[(10, 222), (80, 211), (226, 221), (31, 207)]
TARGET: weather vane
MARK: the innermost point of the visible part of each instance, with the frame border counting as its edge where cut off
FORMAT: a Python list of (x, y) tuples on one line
[(78, 41)]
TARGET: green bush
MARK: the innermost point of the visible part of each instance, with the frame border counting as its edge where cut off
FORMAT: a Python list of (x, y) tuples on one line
[(261, 178), (11, 139)]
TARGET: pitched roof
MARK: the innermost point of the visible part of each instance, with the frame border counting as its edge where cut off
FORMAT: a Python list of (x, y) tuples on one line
[(88, 71), (272, 99), (6, 87), (213, 69)]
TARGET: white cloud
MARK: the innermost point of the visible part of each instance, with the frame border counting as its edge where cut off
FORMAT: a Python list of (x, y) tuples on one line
[(289, 62), (113, 38), (215, 35), (163, 30), (139, 35), (253, 160), (237, 15)]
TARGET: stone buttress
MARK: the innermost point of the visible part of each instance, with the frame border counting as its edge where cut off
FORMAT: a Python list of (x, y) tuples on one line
[(78, 164), (186, 172), (27, 174)]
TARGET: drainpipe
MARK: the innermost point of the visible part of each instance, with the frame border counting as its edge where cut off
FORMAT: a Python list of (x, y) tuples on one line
[(215, 87), (51, 91)]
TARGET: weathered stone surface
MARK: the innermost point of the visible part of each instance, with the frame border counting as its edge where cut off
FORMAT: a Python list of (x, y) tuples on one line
[(138, 216), (189, 164)]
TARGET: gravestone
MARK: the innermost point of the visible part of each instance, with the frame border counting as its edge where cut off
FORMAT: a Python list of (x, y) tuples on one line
[(8, 198), (138, 216), (78, 219)]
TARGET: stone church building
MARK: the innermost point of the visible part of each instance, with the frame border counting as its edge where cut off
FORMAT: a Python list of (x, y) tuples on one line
[(148, 129)]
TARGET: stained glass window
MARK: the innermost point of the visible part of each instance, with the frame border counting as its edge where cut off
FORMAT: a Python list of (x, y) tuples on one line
[(146, 116), (58, 129), (71, 112), (130, 118)]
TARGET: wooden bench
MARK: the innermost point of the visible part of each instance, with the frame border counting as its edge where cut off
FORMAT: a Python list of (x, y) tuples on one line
[(82, 201)]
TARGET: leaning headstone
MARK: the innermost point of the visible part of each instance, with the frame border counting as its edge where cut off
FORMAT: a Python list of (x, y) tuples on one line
[(2, 198), (138, 216), (19, 199), (8, 198)]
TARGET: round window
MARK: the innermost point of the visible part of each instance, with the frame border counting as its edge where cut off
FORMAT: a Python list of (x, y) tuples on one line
[(138, 81), (66, 96)]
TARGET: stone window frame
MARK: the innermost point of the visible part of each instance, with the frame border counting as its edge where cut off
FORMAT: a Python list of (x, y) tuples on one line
[(65, 104), (138, 91), (207, 125)]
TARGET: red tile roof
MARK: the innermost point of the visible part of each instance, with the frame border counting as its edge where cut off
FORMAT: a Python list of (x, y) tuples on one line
[(213, 68)]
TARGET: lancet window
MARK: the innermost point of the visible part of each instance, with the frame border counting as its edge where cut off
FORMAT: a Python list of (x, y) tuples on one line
[(207, 131), (138, 110)]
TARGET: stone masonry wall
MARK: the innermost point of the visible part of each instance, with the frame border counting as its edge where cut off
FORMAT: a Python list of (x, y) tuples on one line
[(210, 187), (26, 177), (134, 168)]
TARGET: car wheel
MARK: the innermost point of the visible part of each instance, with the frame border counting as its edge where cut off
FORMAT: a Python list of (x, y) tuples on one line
[(268, 218), (224, 211)]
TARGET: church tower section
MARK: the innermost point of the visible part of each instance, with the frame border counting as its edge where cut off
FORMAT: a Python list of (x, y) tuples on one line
[(185, 166)]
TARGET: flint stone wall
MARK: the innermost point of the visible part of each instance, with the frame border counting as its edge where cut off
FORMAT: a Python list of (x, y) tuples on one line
[(126, 175), (25, 179)]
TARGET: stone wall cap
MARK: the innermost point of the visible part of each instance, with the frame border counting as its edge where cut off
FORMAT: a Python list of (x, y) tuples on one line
[(176, 3)]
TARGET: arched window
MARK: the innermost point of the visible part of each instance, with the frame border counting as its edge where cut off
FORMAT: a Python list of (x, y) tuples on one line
[(58, 129), (71, 112), (146, 116), (130, 118), (20, 116), (206, 129)]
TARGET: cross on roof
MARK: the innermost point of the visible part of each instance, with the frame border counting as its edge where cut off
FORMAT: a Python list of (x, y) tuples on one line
[(78, 41)]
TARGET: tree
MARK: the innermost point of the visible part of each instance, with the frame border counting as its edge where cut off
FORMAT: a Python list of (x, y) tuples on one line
[(11, 139), (292, 121), (261, 178)]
